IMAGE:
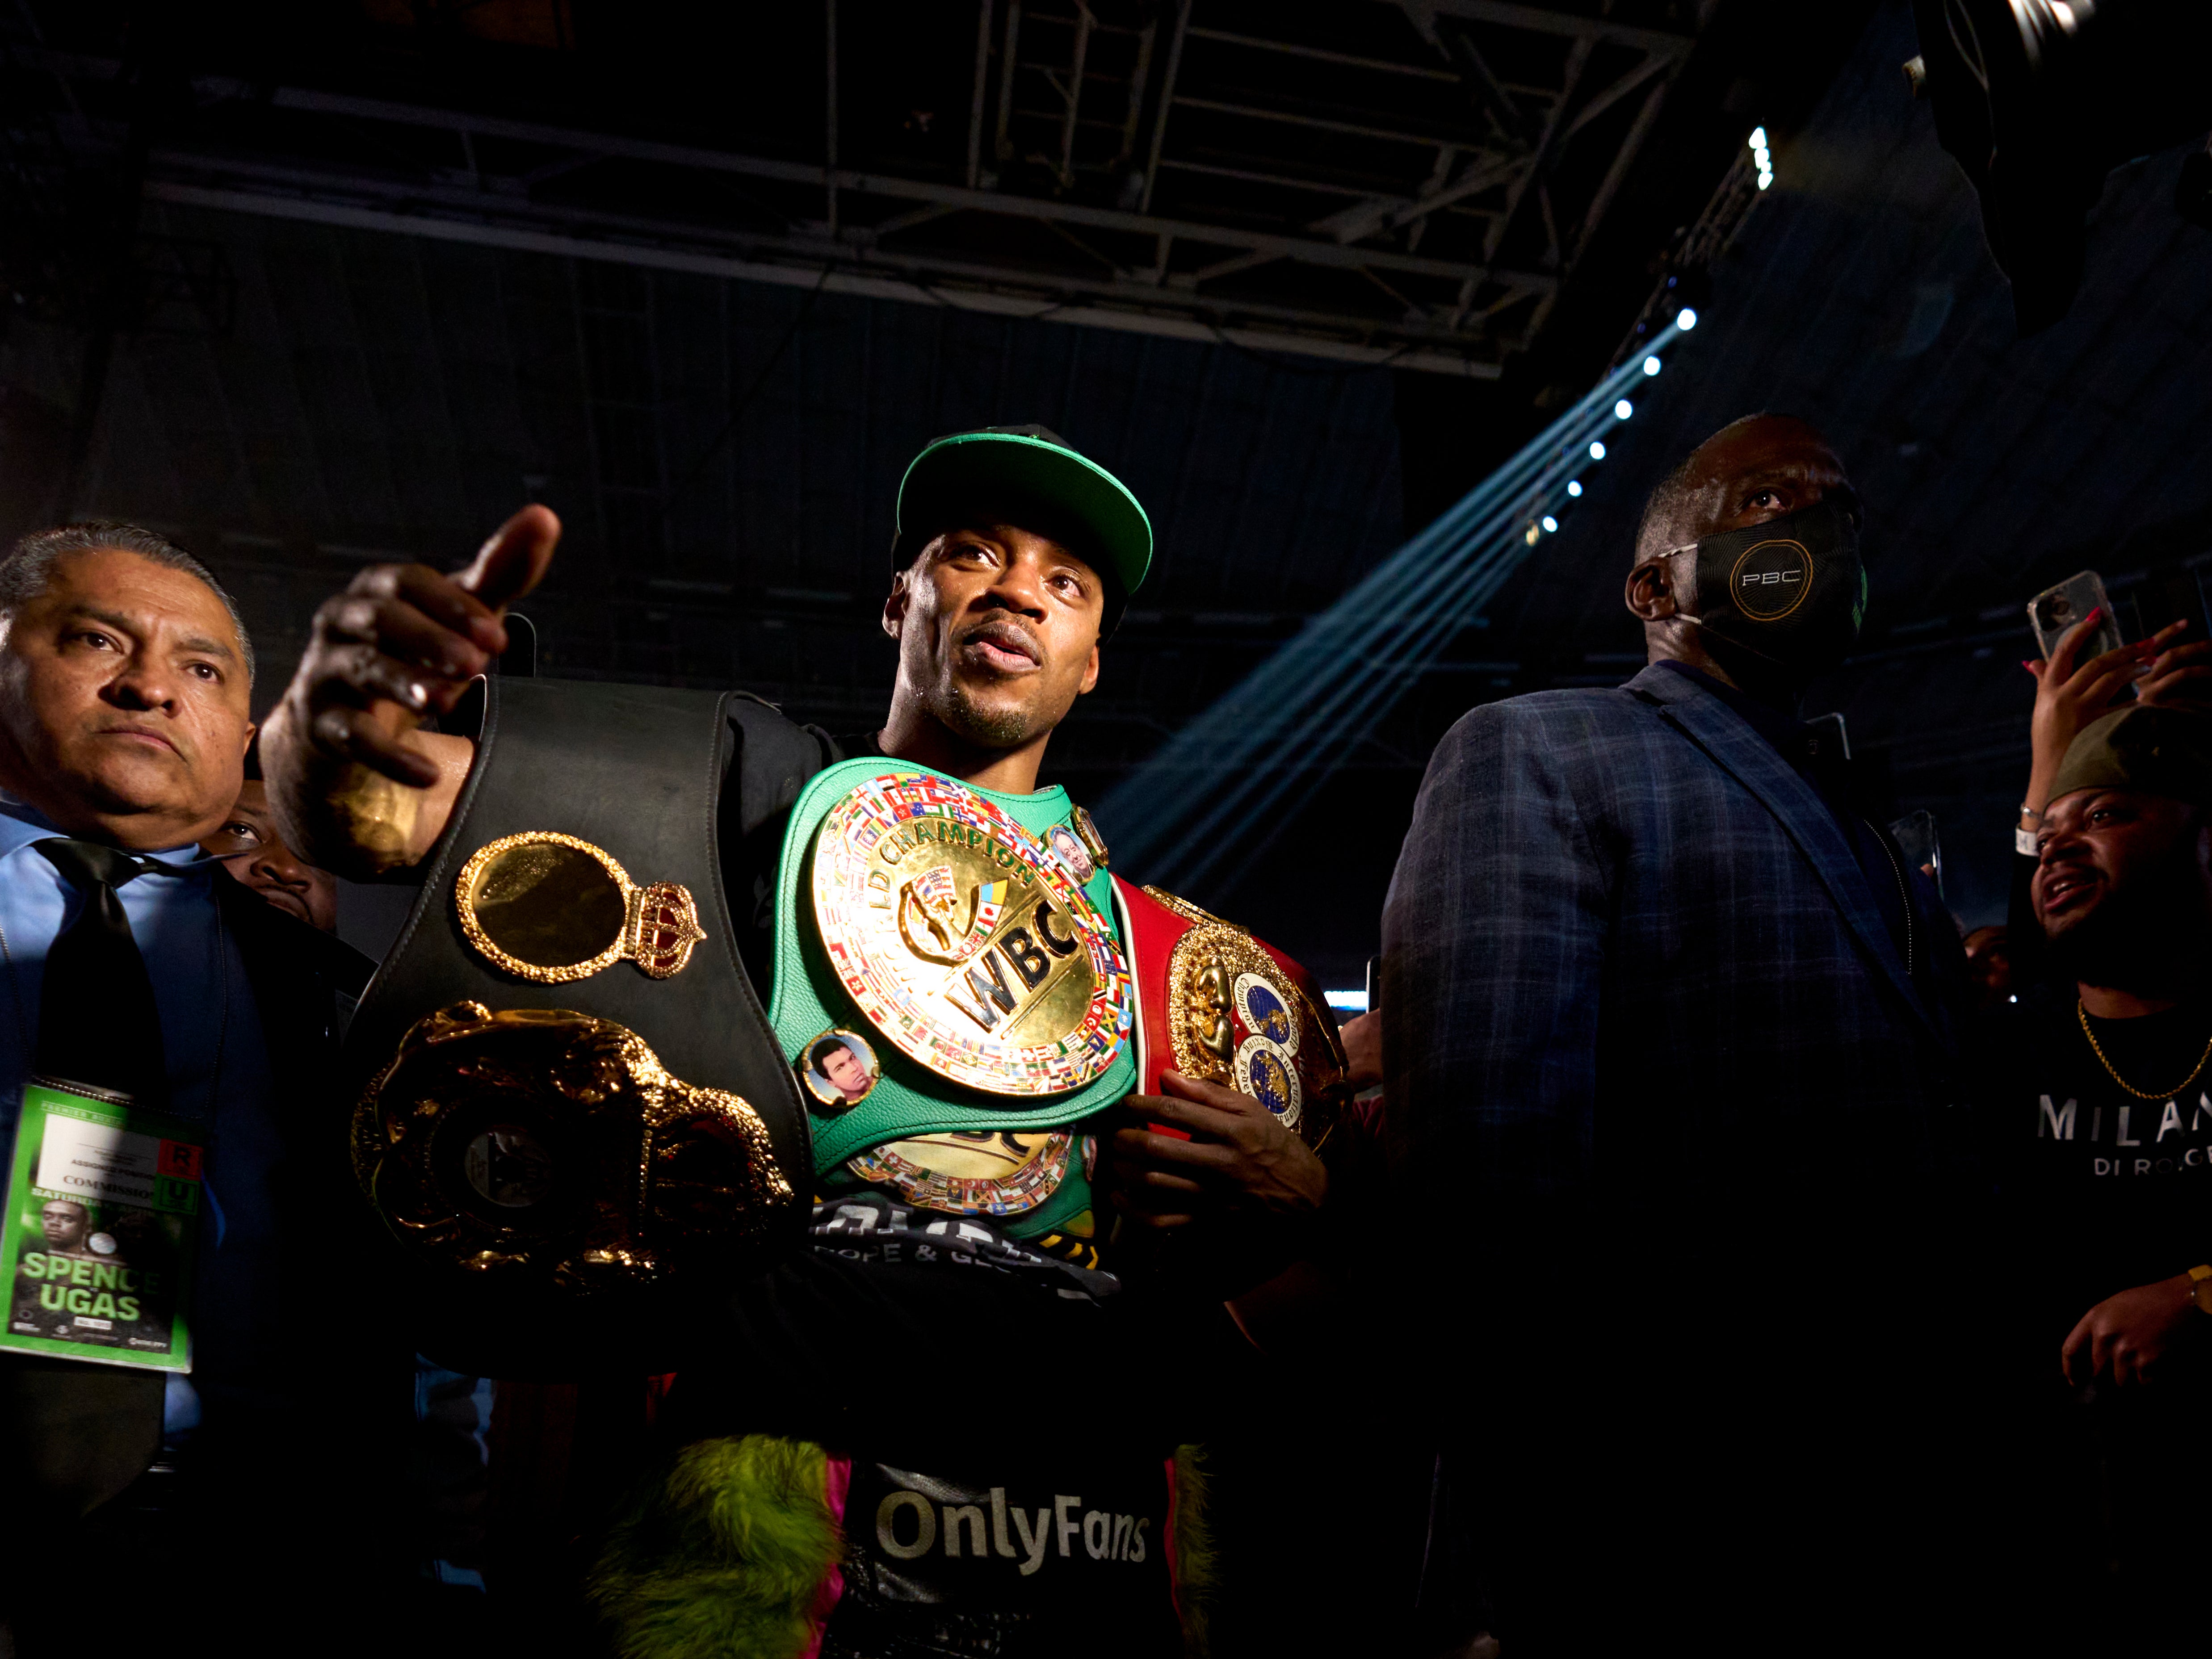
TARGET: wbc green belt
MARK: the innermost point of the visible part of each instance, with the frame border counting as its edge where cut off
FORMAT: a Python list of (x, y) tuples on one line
[(946, 964)]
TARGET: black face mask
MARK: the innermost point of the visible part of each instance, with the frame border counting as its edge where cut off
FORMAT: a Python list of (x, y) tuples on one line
[(1791, 590)]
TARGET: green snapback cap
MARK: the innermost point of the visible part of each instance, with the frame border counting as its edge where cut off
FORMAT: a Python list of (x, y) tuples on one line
[(2157, 751), (1018, 466)]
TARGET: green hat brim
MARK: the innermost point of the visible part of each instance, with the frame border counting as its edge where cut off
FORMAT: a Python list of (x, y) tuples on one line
[(2151, 750), (986, 468)]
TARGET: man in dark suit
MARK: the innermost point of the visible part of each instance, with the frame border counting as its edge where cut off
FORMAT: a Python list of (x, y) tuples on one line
[(209, 1504), (1666, 1025)]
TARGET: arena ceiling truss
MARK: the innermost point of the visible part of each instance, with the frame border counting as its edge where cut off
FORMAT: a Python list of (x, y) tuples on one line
[(1407, 182)]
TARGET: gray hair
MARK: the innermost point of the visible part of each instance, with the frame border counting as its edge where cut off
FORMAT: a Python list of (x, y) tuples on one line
[(29, 568)]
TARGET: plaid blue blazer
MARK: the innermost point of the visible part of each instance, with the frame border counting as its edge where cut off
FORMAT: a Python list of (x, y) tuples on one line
[(1627, 950)]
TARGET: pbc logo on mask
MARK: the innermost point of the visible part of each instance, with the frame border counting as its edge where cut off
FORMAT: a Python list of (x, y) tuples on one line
[(1771, 578)]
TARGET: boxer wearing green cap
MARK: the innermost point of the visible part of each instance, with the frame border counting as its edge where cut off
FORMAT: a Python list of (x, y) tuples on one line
[(941, 1422)]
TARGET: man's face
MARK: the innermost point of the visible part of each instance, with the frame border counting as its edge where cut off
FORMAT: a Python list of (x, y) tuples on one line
[(847, 1075), (124, 708), (997, 633), (2120, 871), (1752, 472), (1988, 962), (255, 855), (1757, 469), (64, 1225)]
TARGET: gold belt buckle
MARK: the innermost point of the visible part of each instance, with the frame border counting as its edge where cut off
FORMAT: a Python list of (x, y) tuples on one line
[(547, 1145)]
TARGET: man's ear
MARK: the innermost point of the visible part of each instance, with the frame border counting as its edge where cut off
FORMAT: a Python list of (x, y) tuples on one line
[(1649, 591), (895, 603), (1089, 672), (246, 748)]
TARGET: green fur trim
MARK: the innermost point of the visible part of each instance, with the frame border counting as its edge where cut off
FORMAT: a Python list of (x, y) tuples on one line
[(1194, 1550), (720, 1555)]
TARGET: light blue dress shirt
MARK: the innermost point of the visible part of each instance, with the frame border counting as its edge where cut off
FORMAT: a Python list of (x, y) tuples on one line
[(219, 1077)]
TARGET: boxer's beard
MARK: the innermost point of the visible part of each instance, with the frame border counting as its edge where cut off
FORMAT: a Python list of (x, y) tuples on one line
[(988, 727)]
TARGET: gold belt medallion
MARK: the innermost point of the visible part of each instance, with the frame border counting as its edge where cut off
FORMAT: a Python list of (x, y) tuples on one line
[(964, 941), (1235, 1018), (548, 909), (974, 1172)]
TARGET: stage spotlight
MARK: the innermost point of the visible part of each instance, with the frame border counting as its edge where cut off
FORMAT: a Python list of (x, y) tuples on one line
[(1650, 365), (1623, 410), (1325, 691), (2038, 100), (1685, 320)]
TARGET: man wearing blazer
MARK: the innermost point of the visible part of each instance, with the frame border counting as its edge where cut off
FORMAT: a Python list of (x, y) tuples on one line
[(1668, 1024)]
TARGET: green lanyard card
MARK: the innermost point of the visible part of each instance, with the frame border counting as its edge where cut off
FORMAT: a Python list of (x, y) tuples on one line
[(96, 1244)]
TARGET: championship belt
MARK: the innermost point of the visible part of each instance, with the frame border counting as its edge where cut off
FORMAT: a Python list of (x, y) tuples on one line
[(950, 991), (1221, 1007), (570, 1114)]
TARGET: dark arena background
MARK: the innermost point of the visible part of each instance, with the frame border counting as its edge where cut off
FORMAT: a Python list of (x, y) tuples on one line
[(318, 286)]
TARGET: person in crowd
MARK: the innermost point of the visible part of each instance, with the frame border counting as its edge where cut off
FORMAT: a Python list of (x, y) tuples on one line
[(1015, 557), (132, 969), (2167, 670), (1666, 1026), (254, 855), (2096, 1099), (1989, 963)]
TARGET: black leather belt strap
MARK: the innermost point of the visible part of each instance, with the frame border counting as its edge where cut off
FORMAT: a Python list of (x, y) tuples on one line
[(638, 772)]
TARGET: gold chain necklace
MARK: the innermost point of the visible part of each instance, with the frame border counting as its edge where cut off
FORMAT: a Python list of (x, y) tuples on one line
[(2081, 1013)]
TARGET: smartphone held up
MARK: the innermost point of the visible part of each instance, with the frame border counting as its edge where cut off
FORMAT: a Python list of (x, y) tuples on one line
[(2053, 611)]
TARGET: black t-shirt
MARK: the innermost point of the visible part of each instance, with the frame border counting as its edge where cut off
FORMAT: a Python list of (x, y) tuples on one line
[(755, 809), (2106, 1190)]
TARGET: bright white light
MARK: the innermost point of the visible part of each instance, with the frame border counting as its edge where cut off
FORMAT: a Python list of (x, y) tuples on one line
[(1623, 410), (1347, 1002), (1597, 450), (1530, 534), (1650, 365), (1765, 180), (1685, 320), (1574, 486), (1551, 524), (1758, 138)]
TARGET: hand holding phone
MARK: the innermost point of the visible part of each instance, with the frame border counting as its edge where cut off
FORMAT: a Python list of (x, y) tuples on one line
[(2085, 672), (2056, 611)]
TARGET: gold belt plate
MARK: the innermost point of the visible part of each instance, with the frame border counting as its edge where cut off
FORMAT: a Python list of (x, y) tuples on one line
[(545, 1145), (1235, 1018), (549, 909), (964, 940), (975, 1172)]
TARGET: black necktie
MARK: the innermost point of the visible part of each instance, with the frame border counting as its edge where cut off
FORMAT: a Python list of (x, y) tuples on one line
[(98, 1025)]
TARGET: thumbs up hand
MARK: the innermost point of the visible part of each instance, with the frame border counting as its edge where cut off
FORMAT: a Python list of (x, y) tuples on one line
[(402, 642), (357, 789)]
